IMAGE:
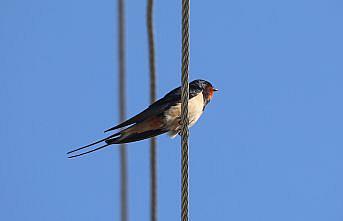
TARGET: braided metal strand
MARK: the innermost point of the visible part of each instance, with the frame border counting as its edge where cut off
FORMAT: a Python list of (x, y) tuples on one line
[(122, 108), (184, 109), (152, 67)]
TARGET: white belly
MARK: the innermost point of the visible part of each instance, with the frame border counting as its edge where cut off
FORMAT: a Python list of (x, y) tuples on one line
[(195, 109), (173, 115)]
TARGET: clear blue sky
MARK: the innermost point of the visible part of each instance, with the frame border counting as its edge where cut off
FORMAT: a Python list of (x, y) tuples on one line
[(269, 146)]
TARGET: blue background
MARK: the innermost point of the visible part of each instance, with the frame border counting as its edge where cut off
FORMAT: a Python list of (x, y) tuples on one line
[(269, 146)]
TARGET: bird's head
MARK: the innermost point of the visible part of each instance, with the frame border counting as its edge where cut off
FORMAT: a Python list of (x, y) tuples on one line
[(206, 88)]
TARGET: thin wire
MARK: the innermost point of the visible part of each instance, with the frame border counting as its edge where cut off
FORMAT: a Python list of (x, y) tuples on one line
[(122, 108), (184, 110), (152, 67)]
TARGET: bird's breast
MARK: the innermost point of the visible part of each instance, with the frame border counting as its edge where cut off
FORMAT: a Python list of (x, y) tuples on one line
[(195, 109)]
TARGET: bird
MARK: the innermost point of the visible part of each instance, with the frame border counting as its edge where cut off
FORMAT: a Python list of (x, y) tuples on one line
[(162, 116)]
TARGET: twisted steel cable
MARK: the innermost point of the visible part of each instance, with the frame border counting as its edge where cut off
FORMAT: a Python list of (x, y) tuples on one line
[(152, 67), (122, 108), (184, 110)]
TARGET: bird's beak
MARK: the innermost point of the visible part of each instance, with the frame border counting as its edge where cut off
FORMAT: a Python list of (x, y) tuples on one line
[(215, 89)]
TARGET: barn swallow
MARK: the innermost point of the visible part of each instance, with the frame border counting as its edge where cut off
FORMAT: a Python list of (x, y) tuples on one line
[(163, 116)]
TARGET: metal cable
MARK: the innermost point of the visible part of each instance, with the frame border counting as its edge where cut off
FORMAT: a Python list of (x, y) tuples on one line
[(152, 67), (184, 110), (122, 108)]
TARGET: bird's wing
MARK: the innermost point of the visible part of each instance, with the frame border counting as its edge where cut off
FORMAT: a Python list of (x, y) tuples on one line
[(158, 107), (137, 136)]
